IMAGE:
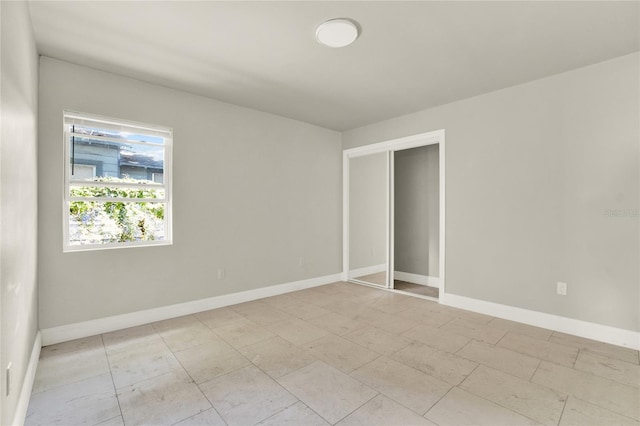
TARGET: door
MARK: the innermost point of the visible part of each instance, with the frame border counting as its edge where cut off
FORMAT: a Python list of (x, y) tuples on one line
[(368, 218), (375, 224)]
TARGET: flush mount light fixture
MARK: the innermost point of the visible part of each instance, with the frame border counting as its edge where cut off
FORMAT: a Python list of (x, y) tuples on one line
[(339, 32)]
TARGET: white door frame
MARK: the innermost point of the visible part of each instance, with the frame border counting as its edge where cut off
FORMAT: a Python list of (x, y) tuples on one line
[(390, 146), (391, 229)]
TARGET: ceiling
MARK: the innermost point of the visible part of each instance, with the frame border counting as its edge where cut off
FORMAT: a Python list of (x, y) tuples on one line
[(410, 56)]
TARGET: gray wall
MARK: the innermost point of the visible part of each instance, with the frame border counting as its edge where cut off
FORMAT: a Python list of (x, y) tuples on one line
[(18, 192), (416, 192), (367, 211), (533, 174), (253, 193)]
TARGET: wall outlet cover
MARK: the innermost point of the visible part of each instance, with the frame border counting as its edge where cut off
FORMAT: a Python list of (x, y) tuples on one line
[(562, 288)]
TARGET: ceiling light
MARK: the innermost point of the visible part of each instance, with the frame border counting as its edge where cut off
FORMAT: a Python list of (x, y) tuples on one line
[(337, 32)]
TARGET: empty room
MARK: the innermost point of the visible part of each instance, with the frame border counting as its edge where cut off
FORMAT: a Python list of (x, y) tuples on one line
[(320, 213)]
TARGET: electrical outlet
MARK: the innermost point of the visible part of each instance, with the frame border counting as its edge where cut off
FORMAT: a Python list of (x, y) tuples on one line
[(300, 261), (221, 273), (8, 377), (562, 288)]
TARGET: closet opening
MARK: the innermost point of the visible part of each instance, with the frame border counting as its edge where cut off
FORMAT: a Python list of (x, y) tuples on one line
[(416, 214), (394, 215)]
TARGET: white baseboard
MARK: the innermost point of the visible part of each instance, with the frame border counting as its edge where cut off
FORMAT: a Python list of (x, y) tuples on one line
[(27, 385), (68, 332), (368, 270), (417, 279), (588, 330)]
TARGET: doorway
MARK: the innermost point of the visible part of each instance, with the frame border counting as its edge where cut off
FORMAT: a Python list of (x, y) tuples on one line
[(394, 215), (416, 220)]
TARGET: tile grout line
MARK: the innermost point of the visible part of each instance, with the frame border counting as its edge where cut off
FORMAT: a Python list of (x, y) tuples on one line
[(115, 390), (470, 373), (534, 371), (251, 363), (589, 373), (359, 407), (499, 404), (439, 399), (347, 340), (500, 340), (453, 318), (464, 346), (496, 368), (633, 420), (529, 354), (278, 412), (206, 381), (573, 364), (577, 345), (212, 407), (275, 380), (383, 331), (65, 384), (297, 400), (187, 372), (564, 406), (381, 392), (504, 406)]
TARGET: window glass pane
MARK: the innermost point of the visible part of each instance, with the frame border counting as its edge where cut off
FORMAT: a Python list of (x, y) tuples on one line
[(95, 131), (115, 159), (93, 222), (115, 192)]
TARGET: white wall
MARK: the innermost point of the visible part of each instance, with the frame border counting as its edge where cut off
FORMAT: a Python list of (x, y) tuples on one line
[(18, 192), (253, 193), (416, 199), (367, 211), (532, 173)]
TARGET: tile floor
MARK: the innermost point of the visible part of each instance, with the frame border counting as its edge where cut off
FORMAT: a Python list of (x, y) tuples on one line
[(380, 279), (338, 354), (423, 290)]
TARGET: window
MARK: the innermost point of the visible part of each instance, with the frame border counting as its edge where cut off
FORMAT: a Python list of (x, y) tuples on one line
[(83, 171), (117, 183), (157, 177)]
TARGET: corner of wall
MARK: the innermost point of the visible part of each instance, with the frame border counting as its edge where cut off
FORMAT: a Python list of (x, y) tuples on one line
[(19, 336)]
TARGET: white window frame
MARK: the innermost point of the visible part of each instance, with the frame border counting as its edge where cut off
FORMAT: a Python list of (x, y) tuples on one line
[(166, 133)]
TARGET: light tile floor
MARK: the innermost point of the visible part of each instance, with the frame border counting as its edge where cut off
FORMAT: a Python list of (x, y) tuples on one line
[(338, 354), (380, 278)]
